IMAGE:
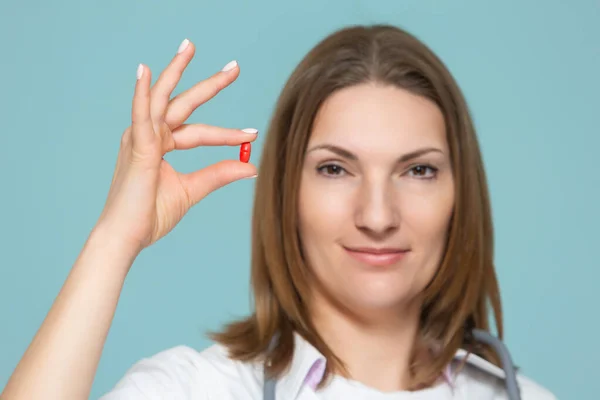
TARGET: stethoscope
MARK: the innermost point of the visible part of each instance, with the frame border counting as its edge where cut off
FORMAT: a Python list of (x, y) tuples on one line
[(511, 385)]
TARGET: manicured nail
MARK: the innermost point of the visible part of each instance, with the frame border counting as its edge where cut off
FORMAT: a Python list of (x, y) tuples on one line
[(230, 65), (250, 130), (183, 46), (140, 71), (251, 177)]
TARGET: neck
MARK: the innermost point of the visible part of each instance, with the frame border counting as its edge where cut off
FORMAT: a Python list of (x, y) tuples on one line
[(376, 350)]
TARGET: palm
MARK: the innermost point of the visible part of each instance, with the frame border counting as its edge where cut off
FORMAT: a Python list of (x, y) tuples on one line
[(172, 201)]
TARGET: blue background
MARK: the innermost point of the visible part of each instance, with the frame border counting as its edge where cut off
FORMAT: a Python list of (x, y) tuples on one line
[(529, 70)]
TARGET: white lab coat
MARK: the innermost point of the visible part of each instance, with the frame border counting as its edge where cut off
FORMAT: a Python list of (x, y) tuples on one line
[(182, 373)]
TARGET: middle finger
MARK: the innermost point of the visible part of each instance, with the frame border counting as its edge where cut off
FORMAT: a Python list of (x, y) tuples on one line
[(169, 78)]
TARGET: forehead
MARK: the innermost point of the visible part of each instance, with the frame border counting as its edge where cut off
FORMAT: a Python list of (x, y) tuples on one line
[(375, 117)]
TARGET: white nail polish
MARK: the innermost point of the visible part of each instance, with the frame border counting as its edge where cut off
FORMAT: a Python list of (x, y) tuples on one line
[(231, 65), (250, 130), (140, 71), (251, 177), (183, 46)]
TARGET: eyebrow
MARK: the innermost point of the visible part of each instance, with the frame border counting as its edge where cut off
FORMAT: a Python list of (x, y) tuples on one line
[(351, 156)]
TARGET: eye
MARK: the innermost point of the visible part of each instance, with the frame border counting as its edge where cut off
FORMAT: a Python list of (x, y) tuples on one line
[(423, 171), (332, 170)]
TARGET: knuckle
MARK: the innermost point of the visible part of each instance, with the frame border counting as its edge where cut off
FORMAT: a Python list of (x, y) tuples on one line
[(188, 108), (139, 119), (168, 144), (145, 156), (161, 90), (215, 86), (126, 138), (233, 139), (176, 97), (143, 95), (163, 74), (229, 169)]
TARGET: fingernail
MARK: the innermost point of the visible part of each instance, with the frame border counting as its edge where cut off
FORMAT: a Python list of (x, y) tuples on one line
[(251, 177), (230, 65), (140, 71), (250, 130), (183, 46)]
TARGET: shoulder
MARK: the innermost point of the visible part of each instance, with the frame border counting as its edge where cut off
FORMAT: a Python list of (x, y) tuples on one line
[(482, 377), (183, 372)]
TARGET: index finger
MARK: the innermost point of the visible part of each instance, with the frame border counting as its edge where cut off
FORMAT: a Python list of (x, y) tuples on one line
[(196, 135)]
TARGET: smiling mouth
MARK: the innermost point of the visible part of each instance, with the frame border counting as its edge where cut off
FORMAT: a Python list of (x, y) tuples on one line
[(377, 257)]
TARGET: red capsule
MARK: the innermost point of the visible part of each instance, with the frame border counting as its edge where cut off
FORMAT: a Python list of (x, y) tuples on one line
[(245, 152)]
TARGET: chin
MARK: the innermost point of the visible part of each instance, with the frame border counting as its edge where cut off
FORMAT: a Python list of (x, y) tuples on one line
[(374, 298)]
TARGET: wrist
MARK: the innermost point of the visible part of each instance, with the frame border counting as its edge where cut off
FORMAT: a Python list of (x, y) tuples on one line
[(104, 241)]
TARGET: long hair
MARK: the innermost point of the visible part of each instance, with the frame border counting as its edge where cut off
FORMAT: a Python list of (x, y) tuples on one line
[(465, 285)]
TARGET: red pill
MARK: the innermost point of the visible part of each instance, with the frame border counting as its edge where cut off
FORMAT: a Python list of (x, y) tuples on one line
[(245, 152)]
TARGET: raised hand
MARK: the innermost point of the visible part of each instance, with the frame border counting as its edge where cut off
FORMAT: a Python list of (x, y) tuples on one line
[(147, 197)]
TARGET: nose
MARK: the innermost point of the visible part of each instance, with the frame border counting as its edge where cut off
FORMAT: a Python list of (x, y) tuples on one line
[(377, 210)]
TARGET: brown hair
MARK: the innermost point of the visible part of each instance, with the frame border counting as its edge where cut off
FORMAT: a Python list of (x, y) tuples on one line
[(457, 298)]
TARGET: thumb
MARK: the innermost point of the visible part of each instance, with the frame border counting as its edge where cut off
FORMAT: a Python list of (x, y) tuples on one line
[(199, 184)]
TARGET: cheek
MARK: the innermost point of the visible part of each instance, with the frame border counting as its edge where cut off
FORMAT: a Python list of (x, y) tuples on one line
[(426, 213), (426, 218), (324, 209), (325, 217), (315, 224)]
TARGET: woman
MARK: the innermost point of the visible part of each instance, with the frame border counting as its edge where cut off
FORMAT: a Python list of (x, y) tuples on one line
[(372, 257)]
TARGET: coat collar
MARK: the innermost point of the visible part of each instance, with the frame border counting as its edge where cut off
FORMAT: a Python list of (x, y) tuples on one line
[(308, 367)]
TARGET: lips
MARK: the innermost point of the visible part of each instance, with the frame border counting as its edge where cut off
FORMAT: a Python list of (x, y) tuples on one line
[(378, 257)]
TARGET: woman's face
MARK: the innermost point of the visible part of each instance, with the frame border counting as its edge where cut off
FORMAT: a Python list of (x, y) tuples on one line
[(376, 196)]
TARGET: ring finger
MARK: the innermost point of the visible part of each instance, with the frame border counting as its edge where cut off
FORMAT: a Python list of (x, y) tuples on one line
[(184, 104)]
